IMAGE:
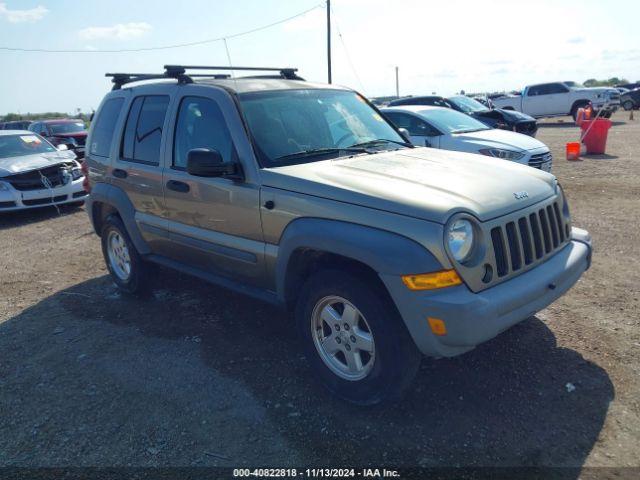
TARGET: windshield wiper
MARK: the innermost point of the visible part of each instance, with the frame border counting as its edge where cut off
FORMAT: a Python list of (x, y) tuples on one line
[(470, 130), (322, 151), (378, 141)]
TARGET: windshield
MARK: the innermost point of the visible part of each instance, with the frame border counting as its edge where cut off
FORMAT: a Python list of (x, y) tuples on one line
[(573, 84), (467, 105), (66, 127), (297, 126), (451, 121), (18, 145)]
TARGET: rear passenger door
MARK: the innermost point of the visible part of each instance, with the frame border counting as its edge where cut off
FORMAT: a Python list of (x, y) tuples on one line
[(214, 223), (137, 168)]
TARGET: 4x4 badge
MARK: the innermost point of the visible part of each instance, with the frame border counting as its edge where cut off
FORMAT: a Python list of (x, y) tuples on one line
[(520, 195)]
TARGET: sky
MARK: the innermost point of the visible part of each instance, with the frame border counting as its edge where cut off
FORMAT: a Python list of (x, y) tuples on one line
[(439, 46)]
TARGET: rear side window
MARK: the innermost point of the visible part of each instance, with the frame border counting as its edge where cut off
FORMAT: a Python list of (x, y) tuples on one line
[(104, 127), (143, 131)]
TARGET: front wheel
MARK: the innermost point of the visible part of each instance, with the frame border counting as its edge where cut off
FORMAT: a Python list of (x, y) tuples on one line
[(628, 105), (354, 338)]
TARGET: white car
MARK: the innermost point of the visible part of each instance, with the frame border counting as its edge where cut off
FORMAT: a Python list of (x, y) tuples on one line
[(34, 173), (447, 129), (560, 98)]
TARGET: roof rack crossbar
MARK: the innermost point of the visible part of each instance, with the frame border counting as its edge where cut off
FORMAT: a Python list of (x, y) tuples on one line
[(120, 79), (285, 72)]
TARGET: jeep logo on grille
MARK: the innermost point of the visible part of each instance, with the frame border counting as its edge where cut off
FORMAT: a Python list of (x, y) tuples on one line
[(520, 195)]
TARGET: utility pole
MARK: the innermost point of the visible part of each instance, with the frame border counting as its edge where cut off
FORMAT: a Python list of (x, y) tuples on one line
[(397, 85), (329, 40)]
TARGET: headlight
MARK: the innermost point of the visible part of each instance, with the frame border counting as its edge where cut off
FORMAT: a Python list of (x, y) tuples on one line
[(565, 204), (460, 239), (501, 153)]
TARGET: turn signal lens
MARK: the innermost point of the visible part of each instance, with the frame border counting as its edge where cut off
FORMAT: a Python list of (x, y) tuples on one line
[(437, 326), (431, 281)]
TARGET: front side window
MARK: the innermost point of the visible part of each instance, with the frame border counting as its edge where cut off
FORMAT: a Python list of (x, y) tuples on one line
[(414, 126), (200, 125), (451, 121), (19, 145), (557, 88), (143, 131), (284, 123), (104, 127)]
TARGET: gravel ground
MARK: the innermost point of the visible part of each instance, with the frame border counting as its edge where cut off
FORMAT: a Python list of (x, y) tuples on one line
[(191, 375)]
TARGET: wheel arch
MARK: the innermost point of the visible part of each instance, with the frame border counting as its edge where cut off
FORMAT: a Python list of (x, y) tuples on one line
[(106, 200), (310, 244)]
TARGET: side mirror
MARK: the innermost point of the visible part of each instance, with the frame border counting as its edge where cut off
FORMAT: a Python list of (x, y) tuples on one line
[(405, 133), (202, 162), (62, 147)]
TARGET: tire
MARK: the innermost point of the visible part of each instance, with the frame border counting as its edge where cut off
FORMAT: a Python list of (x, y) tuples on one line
[(129, 276), (389, 361), (628, 105)]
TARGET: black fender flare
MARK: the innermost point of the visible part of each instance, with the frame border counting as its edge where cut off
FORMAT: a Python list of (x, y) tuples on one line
[(383, 251)]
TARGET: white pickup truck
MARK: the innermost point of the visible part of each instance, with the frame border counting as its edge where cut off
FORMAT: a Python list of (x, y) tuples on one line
[(560, 98)]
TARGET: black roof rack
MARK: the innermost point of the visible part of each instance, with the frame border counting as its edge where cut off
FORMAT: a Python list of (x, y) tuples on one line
[(287, 73), (178, 72)]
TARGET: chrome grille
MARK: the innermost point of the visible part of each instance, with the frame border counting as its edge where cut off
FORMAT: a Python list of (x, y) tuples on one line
[(526, 241), (536, 161), (35, 179)]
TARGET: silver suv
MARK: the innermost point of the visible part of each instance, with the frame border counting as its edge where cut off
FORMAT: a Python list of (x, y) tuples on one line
[(305, 196)]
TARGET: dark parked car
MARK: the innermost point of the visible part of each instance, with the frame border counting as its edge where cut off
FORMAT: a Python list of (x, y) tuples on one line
[(630, 100), (69, 131), (15, 125), (494, 118), (629, 86)]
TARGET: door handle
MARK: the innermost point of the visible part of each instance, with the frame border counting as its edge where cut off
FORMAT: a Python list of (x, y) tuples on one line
[(119, 173), (177, 186)]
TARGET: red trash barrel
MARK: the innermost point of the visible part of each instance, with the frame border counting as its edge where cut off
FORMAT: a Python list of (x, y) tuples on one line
[(595, 138)]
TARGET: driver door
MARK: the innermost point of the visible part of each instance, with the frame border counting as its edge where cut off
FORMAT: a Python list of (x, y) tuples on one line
[(214, 222)]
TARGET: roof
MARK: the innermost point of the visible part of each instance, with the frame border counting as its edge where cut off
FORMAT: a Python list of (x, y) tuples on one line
[(413, 108), (60, 120), (243, 84), (15, 132), (247, 84)]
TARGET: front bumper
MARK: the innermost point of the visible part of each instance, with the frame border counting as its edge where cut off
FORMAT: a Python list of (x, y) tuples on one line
[(473, 318), (606, 106), (12, 199)]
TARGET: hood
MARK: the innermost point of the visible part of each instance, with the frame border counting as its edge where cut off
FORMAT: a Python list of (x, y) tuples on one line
[(514, 115), (25, 163), (422, 182), (71, 135), (510, 117), (495, 138), (595, 89)]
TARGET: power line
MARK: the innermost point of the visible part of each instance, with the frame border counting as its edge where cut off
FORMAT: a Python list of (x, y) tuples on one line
[(346, 51), (167, 47)]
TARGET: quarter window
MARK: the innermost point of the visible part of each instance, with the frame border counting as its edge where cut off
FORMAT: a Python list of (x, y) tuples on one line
[(200, 125), (143, 131), (104, 127)]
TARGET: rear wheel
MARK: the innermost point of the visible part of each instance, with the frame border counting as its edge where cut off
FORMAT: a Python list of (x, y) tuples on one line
[(354, 338), (124, 263), (628, 105)]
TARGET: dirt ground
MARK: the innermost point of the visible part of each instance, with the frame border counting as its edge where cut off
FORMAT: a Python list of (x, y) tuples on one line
[(192, 375)]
